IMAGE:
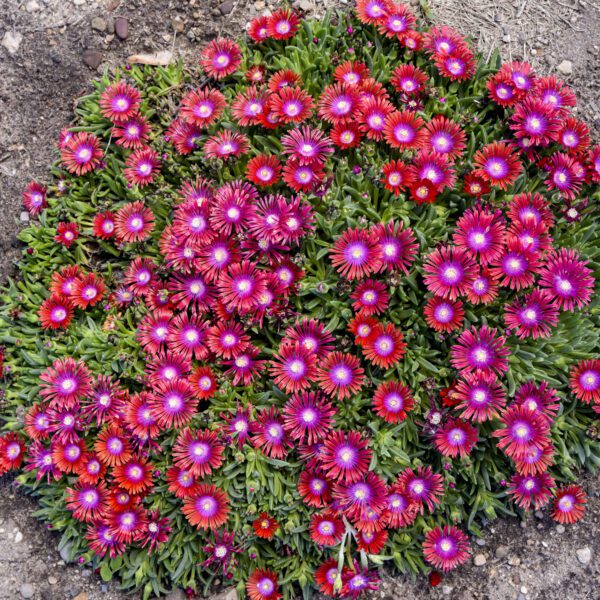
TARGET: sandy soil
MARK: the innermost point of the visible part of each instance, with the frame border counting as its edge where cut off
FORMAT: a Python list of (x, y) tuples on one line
[(52, 39)]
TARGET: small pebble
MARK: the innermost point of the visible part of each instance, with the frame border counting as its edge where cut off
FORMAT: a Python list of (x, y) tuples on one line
[(523, 589), (565, 67), (446, 590), (92, 58), (26, 590), (52, 580), (18, 537), (11, 41), (502, 551), (539, 514), (479, 560), (32, 6), (584, 555), (226, 7), (99, 24), (480, 542), (560, 529), (514, 561), (122, 27)]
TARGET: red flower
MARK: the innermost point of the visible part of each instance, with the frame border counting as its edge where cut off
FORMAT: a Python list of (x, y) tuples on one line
[(404, 130), (345, 456), (568, 504), (497, 164), (199, 453), (56, 312), (134, 476), (262, 585), (66, 233), (385, 346), (340, 375), (265, 526), (326, 529), (208, 509), (220, 58), (82, 153), (202, 107), (119, 102), (133, 222), (141, 166), (392, 401), (446, 548), (283, 24), (263, 170), (356, 254), (456, 438)]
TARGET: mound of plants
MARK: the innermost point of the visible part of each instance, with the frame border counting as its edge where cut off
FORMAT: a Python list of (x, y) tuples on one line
[(321, 301)]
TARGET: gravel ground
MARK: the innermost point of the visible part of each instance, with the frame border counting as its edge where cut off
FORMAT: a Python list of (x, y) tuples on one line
[(50, 49)]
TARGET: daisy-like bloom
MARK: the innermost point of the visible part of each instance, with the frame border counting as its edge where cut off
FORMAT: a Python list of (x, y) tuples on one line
[(220, 58), (446, 548), (173, 404), (442, 315), (198, 452), (82, 153), (573, 135), (371, 12), (483, 289), (191, 291), (584, 381), (314, 489), (185, 136), (398, 20), (408, 79), (227, 340), (497, 164), (291, 105), (249, 105), (139, 417), (327, 576), (37, 422), (216, 257), (456, 438), (298, 222), (523, 429), (187, 336), (265, 526), (359, 498), (528, 490), (372, 542), (531, 209), (112, 446), (326, 529), (535, 460), (423, 487), (119, 102), (565, 174), (404, 129), (258, 28), (233, 207), (242, 286), (312, 335), (134, 476), (532, 316), (530, 237), (34, 198), (402, 510), (345, 456), (475, 186), (86, 501), (444, 137), (268, 433), (222, 552), (202, 107), (39, 459), (127, 525), (283, 24), (385, 346), (56, 312), (351, 72), (398, 246), (91, 470), (339, 103), (140, 277), (302, 178), (370, 297), (449, 271), (101, 540), (392, 401), (340, 375), (308, 417), (208, 509), (262, 585), (68, 457), (535, 122), (154, 532), (263, 170), (153, 330), (480, 396), (66, 233), (594, 163), (346, 135), (396, 176), (457, 65), (567, 279), (103, 225), (132, 133), (355, 254), (65, 383), (226, 144), (284, 78), (481, 232), (182, 483), (133, 222), (568, 505), (358, 581), (12, 451), (515, 268), (555, 93), (371, 117), (480, 350), (191, 221), (141, 166), (307, 145), (244, 367)]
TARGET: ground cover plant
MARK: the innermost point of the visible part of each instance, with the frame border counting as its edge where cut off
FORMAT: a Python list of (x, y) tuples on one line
[(321, 302)]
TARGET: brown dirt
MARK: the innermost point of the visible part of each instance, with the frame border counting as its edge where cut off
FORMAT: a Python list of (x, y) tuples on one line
[(37, 86)]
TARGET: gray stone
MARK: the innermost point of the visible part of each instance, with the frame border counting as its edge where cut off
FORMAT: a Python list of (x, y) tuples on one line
[(110, 25), (229, 594), (584, 555), (539, 514), (32, 6), (502, 551), (122, 28), (565, 67), (446, 590), (92, 58), (52, 580), (479, 560), (99, 24), (560, 529), (175, 595), (65, 552), (18, 537), (26, 590), (11, 41), (226, 7), (480, 542)]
